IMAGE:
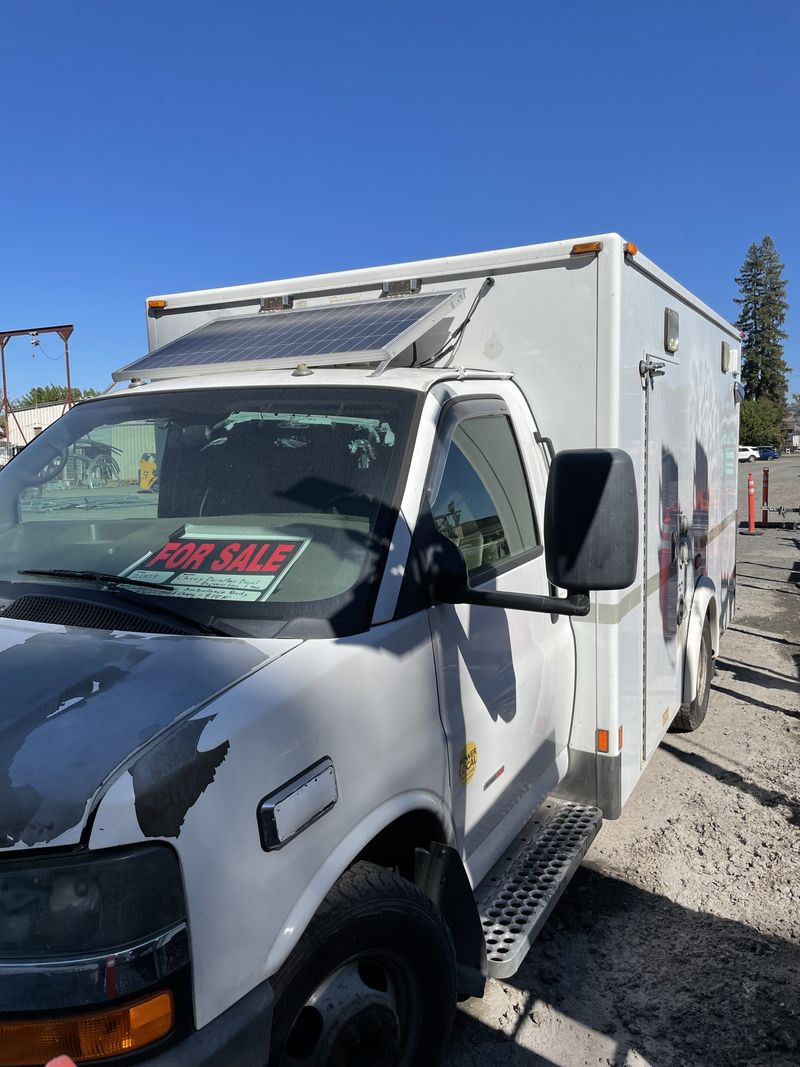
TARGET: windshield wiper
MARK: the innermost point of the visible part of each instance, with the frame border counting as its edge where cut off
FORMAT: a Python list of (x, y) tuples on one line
[(114, 581), (96, 576)]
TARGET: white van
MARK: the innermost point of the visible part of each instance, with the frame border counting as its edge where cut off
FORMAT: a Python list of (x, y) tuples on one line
[(305, 739)]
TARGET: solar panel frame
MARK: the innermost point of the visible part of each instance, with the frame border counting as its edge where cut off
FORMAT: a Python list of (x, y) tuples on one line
[(376, 330)]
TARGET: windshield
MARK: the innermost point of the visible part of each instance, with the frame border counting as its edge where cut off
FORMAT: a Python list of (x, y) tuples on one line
[(271, 503)]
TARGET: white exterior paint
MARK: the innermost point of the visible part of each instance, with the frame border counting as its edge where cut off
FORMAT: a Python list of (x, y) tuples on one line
[(571, 331), (558, 342), (25, 423)]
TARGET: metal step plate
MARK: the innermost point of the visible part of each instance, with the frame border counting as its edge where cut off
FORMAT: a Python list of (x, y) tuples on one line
[(520, 891)]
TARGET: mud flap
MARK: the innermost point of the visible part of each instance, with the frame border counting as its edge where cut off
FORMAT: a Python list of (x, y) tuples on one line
[(440, 874)]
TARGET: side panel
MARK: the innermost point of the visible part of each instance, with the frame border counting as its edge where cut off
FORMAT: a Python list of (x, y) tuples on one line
[(542, 325), (506, 685), (369, 703), (689, 460)]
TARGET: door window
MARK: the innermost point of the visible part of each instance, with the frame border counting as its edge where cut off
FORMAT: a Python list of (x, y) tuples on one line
[(483, 504)]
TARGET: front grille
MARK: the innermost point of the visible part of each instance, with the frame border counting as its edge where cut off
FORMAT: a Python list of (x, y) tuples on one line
[(65, 611)]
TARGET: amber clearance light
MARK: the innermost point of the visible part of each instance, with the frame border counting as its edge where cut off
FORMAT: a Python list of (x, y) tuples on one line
[(87, 1037)]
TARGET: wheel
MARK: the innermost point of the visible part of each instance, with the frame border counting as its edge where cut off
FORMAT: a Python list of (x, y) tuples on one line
[(372, 981), (751, 459), (691, 715)]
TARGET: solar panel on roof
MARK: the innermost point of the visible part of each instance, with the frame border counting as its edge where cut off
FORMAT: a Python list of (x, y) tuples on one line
[(333, 333)]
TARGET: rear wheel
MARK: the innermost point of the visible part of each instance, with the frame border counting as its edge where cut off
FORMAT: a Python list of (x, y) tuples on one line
[(691, 715), (372, 981)]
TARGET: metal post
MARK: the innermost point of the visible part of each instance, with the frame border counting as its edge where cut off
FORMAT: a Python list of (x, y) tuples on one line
[(69, 381), (765, 496), (751, 504), (6, 408), (64, 333)]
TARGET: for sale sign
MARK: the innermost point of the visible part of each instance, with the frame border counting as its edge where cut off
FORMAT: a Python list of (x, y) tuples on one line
[(217, 568)]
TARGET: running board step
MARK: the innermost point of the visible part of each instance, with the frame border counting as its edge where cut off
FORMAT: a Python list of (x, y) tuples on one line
[(517, 895)]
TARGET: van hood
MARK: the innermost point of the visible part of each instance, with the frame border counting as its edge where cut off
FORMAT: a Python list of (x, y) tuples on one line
[(76, 705)]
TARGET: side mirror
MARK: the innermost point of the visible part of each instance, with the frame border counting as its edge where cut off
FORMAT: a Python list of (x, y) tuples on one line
[(591, 520), (447, 580)]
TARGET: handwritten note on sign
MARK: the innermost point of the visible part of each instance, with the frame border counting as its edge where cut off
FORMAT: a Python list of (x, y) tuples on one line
[(219, 569)]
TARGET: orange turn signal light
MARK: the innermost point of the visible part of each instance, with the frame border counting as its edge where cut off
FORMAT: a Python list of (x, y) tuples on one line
[(87, 1037), (587, 246), (602, 740), (156, 305)]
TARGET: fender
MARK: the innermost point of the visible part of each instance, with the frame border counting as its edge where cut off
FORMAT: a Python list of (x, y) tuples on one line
[(337, 862), (704, 602)]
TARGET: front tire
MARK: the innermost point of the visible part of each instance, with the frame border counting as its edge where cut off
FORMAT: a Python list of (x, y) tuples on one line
[(692, 715), (372, 981)]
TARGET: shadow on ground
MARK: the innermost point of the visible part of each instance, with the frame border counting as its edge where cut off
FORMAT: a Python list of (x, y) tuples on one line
[(648, 976), (769, 798)]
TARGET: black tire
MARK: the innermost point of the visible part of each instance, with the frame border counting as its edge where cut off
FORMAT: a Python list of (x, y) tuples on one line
[(372, 982), (691, 715), (751, 459)]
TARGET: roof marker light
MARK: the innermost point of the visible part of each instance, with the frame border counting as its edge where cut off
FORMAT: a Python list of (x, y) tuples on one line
[(587, 246), (277, 303), (156, 305), (401, 287)]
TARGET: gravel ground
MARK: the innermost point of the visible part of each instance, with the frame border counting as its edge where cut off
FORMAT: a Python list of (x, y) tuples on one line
[(678, 941)]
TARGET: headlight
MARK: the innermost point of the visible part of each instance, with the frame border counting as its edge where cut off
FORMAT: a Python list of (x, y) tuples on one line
[(94, 901)]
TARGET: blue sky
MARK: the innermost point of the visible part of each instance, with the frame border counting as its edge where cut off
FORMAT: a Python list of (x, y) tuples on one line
[(154, 147)]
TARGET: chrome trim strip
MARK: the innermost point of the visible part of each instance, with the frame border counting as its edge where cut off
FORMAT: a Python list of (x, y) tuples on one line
[(84, 981)]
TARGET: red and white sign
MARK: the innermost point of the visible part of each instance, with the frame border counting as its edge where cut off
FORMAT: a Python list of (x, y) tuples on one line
[(217, 568)]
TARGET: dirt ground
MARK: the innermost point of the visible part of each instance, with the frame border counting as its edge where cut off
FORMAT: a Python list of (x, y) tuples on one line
[(678, 942)]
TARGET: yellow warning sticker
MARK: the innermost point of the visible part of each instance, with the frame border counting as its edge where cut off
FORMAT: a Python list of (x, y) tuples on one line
[(468, 763)]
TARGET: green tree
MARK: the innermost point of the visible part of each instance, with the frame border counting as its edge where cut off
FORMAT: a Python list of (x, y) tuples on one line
[(51, 394), (761, 423), (763, 312)]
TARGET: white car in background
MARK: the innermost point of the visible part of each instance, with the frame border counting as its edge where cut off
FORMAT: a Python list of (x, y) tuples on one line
[(747, 454)]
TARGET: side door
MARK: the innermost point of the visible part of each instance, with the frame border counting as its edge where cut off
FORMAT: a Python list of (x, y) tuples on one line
[(506, 678), (670, 455)]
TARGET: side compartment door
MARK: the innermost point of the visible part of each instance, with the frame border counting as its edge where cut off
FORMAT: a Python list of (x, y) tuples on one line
[(506, 678), (667, 520)]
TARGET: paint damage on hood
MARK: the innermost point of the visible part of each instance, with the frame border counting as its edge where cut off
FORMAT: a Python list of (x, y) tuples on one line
[(78, 704)]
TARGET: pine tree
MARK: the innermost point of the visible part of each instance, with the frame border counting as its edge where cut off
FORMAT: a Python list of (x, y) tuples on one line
[(764, 305)]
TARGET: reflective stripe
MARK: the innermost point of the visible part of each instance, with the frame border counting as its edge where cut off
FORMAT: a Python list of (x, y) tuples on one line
[(610, 614)]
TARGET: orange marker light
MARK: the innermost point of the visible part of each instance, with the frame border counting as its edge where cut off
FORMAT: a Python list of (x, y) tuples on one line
[(87, 1037), (620, 739), (602, 740), (587, 246), (156, 305), (630, 248)]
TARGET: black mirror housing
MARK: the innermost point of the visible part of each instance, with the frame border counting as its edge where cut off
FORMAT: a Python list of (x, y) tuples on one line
[(591, 520), (447, 582)]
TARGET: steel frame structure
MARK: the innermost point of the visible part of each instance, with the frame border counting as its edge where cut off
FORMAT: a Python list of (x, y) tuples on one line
[(64, 333)]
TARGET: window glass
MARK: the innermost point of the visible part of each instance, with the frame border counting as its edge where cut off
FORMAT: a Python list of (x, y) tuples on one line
[(265, 502), (483, 504)]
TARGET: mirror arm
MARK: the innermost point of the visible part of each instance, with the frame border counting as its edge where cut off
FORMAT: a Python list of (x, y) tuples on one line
[(574, 604)]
